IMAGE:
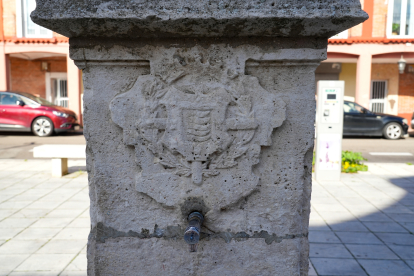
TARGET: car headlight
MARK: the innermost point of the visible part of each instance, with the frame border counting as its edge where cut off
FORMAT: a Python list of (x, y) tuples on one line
[(60, 114), (405, 121)]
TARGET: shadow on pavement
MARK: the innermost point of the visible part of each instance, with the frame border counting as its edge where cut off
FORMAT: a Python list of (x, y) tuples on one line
[(76, 169), (350, 239)]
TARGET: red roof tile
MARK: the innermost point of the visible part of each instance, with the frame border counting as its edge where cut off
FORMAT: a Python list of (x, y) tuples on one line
[(381, 40), (25, 40)]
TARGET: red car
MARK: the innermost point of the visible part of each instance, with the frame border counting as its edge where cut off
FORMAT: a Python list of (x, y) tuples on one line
[(25, 112)]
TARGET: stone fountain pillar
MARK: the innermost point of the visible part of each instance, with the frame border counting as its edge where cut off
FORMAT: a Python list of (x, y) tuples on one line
[(203, 106)]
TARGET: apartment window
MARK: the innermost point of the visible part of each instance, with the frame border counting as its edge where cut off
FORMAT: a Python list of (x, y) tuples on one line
[(25, 26), (400, 18), (60, 92), (378, 96)]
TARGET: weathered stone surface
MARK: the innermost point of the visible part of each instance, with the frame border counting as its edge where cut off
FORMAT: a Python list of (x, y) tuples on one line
[(180, 115), (206, 18), (119, 156), (251, 257)]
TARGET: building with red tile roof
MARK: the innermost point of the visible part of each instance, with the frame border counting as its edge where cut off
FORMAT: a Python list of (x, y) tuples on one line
[(366, 57), (36, 60)]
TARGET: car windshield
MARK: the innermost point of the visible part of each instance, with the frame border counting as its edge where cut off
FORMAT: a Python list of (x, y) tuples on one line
[(36, 99)]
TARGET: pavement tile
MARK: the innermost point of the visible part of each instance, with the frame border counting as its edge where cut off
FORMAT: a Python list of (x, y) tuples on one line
[(405, 252), (37, 191), (14, 205), (375, 217), (408, 225), (4, 197), (315, 215), (16, 222), (56, 246), (50, 205), (358, 238), (20, 247), (331, 207), (85, 214), (81, 197), (56, 198), (331, 266), (323, 237), (408, 200), (5, 213), (336, 216), (74, 184), (396, 238), (35, 273), (410, 263), (369, 251), (385, 227), (8, 233), (403, 217), (46, 262), (72, 205), (25, 197), (37, 233), (81, 222), (398, 209), (318, 225), (11, 261), (73, 233), (74, 273), (311, 271), (386, 267), (328, 251), (30, 213), (78, 264), (351, 226), (52, 222), (63, 213)]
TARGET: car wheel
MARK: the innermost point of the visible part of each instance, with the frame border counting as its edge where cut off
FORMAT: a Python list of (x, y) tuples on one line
[(393, 131), (42, 126)]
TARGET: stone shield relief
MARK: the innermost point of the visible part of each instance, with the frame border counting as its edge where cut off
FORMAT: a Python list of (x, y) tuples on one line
[(197, 131)]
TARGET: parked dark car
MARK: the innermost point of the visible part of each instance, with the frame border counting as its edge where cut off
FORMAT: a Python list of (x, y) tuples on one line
[(25, 112), (412, 121), (359, 121)]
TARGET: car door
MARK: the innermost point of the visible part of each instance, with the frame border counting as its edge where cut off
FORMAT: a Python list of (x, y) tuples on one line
[(373, 123), (13, 116), (354, 119)]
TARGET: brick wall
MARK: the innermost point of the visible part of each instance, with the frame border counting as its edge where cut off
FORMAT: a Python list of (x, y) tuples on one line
[(380, 18), (9, 17), (27, 75), (406, 95)]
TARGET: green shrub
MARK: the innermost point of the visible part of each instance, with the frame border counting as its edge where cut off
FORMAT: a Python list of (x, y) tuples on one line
[(352, 162)]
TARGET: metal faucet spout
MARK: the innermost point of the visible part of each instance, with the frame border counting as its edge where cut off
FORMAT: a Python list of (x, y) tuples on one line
[(192, 232)]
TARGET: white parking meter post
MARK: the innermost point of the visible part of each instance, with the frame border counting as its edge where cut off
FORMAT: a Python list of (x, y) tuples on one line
[(329, 124)]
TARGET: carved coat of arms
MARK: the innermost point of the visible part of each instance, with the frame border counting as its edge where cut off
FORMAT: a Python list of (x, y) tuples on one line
[(197, 132)]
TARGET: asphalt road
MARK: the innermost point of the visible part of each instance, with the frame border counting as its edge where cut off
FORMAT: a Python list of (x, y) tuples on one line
[(16, 145), (381, 150)]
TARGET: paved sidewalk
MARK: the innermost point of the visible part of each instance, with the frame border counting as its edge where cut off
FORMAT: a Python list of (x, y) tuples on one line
[(361, 225), (364, 224), (44, 221)]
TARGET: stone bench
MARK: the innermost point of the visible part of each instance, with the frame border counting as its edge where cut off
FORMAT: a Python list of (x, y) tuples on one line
[(59, 155)]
